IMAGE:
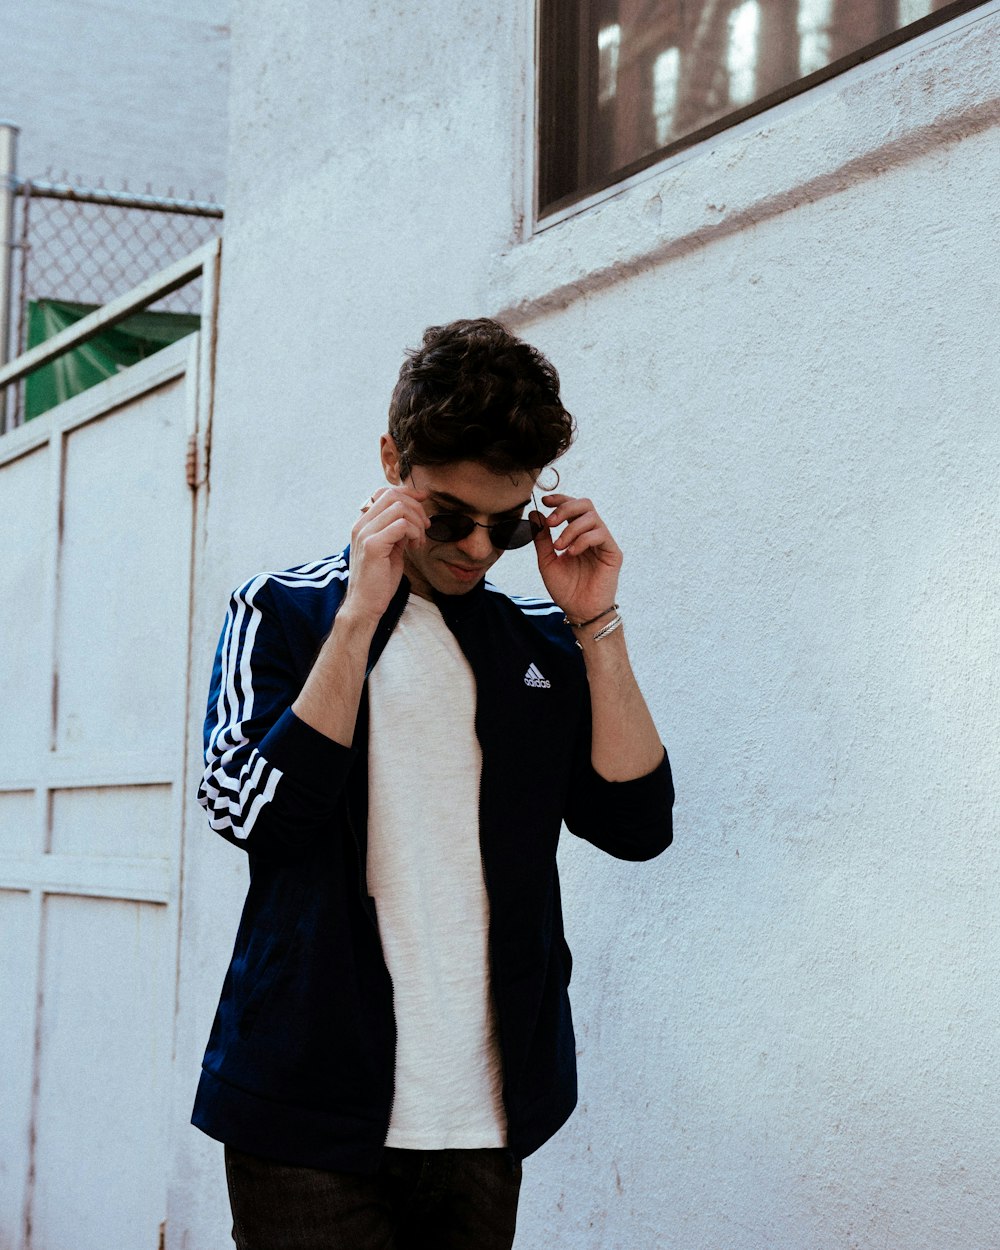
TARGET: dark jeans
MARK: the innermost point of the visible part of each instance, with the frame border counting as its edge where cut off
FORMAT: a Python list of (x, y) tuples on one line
[(418, 1200)]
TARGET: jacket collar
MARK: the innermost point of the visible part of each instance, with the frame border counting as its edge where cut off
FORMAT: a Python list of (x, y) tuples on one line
[(463, 607), (454, 608)]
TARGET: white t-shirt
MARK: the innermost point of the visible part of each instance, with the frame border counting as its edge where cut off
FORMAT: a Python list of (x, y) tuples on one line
[(425, 872)]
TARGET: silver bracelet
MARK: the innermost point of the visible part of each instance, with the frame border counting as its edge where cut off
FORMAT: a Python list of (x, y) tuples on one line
[(608, 629)]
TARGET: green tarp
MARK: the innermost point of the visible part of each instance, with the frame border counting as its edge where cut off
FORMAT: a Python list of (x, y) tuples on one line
[(134, 339)]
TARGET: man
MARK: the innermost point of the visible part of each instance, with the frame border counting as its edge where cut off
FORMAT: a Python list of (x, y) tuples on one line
[(396, 744)]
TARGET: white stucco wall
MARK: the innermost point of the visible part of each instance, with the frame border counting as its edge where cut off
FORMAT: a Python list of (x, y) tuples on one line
[(796, 1005), (782, 353), (123, 90)]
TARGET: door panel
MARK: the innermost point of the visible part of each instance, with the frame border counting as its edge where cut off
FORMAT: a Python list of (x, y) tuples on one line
[(122, 609), (25, 520), (101, 1155), (94, 612), (18, 943), (17, 824), (111, 820)]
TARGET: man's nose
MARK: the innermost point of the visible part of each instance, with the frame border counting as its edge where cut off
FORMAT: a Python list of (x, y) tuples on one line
[(477, 546)]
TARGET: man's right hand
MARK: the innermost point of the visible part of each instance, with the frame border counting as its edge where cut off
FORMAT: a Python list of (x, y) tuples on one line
[(391, 522)]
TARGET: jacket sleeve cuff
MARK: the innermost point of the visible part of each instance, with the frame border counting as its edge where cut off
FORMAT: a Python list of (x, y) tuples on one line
[(629, 819), (651, 792)]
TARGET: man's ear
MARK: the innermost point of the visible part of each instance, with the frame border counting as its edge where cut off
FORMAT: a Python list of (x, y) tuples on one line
[(390, 460)]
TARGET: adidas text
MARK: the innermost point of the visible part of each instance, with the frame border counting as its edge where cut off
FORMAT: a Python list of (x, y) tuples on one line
[(534, 678)]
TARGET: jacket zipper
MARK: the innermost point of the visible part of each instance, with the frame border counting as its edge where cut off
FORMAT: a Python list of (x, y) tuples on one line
[(372, 920), (489, 944), (392, 621), (489, 927)]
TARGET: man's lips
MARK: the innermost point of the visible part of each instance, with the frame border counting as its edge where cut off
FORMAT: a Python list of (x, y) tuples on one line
[(463, 570)]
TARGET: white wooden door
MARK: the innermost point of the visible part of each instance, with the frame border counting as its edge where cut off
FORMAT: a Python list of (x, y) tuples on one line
[(95, 575)]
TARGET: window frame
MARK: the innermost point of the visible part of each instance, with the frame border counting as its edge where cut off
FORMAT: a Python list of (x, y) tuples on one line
[(602, 188)]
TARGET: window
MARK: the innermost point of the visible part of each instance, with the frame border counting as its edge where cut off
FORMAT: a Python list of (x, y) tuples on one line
[(623, 83)]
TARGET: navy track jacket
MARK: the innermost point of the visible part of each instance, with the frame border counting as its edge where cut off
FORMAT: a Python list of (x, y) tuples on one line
[(300, 1062)]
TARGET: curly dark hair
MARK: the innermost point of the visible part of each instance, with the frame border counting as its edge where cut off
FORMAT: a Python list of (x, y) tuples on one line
[(474, 391)]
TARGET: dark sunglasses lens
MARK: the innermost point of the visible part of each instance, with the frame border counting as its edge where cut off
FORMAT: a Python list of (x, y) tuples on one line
[(449, 527), (452, 527), (509, 535)]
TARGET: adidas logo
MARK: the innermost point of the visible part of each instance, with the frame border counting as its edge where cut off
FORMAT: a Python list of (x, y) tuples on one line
[(534, 678)]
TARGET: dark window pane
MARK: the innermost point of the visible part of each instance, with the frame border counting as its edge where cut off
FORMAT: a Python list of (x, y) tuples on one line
[(623, 81)]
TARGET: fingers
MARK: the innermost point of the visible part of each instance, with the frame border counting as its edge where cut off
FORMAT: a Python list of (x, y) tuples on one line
[(391, 515), (582, 535), (543, 541), (383, 493), (566, 508), (584, 530), (391, 526), (579, 522), (556, 501)]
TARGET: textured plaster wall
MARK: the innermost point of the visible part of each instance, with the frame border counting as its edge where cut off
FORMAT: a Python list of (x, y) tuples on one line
[(119, 90), (788, 1024), (782, 353)]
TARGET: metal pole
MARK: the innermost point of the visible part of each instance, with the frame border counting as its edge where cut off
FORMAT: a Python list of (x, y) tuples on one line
[(123, 199), (8, 175)]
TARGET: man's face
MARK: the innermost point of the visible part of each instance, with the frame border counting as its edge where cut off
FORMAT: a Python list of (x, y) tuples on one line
[(469, 488)]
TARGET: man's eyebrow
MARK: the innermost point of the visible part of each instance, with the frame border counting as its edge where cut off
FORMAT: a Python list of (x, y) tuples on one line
[(462, 506)]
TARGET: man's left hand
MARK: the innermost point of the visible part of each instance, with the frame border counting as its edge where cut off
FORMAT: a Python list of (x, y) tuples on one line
[(580, 567)]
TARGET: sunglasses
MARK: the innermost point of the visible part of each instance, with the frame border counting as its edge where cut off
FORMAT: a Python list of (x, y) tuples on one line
[(452, 527)]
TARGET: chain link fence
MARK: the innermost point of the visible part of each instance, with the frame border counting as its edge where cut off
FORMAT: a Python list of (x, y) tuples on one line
[(87, 245)]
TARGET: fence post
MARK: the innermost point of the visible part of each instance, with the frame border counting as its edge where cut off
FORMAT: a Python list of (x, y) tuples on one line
[(8, 174)]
